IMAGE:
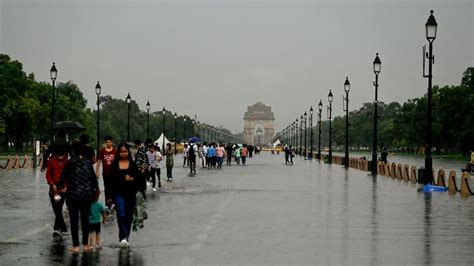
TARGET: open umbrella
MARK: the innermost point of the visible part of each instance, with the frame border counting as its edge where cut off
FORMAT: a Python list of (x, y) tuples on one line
[(194, 139), (66, 129), (69, 126)]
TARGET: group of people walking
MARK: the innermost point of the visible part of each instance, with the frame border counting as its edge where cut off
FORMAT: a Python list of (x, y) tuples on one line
[(212, 155), (72, 180)]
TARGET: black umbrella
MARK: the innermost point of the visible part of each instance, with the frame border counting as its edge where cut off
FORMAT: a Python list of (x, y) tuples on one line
[(69, 126)]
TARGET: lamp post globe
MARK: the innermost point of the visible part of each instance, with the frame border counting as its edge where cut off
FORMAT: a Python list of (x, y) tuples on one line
[(431, 27)]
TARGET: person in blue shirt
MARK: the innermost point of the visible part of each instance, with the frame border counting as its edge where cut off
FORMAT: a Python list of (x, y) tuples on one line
[(211, 155)]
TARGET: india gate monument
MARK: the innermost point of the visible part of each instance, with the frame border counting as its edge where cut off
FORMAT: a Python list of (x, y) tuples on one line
[(259, 124)]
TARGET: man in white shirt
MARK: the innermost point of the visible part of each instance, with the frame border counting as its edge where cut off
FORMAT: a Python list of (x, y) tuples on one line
[(204, 155)]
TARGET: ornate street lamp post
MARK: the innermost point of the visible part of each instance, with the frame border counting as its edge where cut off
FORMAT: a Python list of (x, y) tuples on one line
[(305, 116), (148, 120), (377, 67), (175, 131), (53, 72), (128, 100), (301, 136), (184, 129), (295, 135), (98, 90), (320, 109), (164, 128), (330, 98), (311, 133), (347, 87), (430, 27), (198, 129)]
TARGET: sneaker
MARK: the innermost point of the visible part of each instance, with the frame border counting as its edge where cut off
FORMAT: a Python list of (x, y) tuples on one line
[(154, 189), (124, 243)]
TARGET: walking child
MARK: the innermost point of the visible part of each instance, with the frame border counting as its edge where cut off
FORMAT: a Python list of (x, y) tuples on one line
[(97, 212)]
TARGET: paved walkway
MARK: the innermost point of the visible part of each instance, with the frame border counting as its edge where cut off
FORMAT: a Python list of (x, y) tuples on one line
[(262, 213)]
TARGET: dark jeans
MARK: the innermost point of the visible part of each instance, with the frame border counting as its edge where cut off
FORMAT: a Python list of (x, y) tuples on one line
[(152, 174), (192, 164), (124, 208), (244, 159), (107, 190), (59, 223), (229, 160), (74, 210), (169, 171)]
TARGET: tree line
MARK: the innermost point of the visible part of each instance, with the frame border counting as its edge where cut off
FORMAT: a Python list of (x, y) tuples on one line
[(403, 126), (26, 108)]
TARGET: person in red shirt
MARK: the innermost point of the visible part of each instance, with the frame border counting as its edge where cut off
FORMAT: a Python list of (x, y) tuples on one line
[(106, 157), (54, 169)]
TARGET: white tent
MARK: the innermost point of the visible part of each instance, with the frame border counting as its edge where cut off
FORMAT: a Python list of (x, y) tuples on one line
[(159, 141), (277, 142)]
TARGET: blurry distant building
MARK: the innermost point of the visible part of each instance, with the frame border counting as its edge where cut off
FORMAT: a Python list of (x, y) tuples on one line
[(259, 124)]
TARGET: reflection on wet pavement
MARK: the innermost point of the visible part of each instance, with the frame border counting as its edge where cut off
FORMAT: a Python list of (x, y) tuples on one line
[(262, 213)]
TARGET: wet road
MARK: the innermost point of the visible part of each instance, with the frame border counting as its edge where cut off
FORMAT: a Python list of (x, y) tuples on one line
[(262, 213)]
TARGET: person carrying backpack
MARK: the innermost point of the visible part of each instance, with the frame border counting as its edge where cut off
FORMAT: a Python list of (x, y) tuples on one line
[(244, 153), (192, 157)]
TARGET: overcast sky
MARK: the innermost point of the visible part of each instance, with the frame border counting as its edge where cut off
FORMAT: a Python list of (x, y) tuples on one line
[(214, 58)]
